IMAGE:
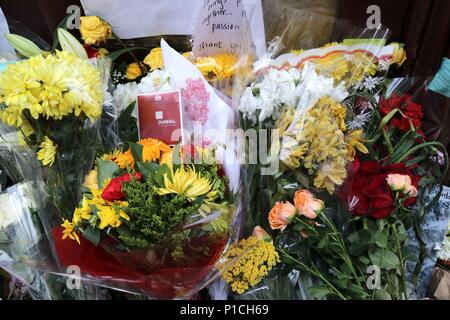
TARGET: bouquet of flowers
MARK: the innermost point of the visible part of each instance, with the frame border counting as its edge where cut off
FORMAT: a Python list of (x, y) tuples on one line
[(48, 98), (142, 220), (165, 221), (350, 170)]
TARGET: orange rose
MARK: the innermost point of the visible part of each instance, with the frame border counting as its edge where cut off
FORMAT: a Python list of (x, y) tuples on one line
[(281, 215), (399, 182), (307, 205), (412, 191)]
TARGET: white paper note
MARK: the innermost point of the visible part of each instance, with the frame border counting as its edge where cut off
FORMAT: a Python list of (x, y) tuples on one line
[(145, 18), (222, 27)]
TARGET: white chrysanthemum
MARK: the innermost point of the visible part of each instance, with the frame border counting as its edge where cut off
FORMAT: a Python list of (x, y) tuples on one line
[(249, 104), (125, 94), (280, 88), (313, 87)]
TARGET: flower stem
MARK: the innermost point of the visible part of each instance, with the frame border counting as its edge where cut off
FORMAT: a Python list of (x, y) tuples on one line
[(131, 53), (314, 273), (402, 268)]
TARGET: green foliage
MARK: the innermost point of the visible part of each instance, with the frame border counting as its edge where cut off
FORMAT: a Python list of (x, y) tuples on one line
[(105, 170), (152, 216), (127, 126)]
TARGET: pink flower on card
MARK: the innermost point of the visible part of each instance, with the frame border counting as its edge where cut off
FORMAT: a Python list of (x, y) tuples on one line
[(196, 99)]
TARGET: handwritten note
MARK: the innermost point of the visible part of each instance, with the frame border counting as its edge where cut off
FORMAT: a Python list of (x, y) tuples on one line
[(222, 27)]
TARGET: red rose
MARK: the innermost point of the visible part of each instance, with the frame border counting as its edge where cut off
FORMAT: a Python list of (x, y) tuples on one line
[(91, 52), (410, 111), (366, 192), (113, 191)]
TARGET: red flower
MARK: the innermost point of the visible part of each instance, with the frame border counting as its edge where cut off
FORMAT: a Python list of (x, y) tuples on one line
[(91, 52), (366, 192), (113, 191), (410, 111)]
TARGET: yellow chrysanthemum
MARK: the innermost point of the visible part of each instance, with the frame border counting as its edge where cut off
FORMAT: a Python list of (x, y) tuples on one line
[(188, 55), (363, 65), (47, 151), (69, 231), (351, 68), (354, 142), (154, 59), (251, 259), (330, 174), (317, 143), (220, 66), (153, 149), (334, 65), (166, 158), (50, 87), (110, 218), (297, 52), (186, 181), (125, 159)]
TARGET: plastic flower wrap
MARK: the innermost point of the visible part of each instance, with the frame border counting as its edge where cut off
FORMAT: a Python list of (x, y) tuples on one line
[(49, 98), (306, 105), (148, 222), (353, 165), (377, 210), (23, 245)]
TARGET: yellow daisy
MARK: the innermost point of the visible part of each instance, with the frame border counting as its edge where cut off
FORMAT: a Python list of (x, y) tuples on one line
[(69, 231)]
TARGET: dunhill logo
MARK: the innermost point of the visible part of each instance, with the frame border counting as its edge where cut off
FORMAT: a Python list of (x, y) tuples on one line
[(163, 122)]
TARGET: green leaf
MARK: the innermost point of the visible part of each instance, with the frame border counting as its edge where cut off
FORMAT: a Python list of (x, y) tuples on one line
[(70, 44), (159, 175), (365, 236), (92, 235), (364, 260), (353, 237), (382, 294), (147, 169), (409, 254), (322, 243), (136, 151), (357, 290), (25, 47), (381, 239), (62, 25), (105, 170), (319, 292), (115, 54), (384, 258), (288, 261), (357, 248)]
